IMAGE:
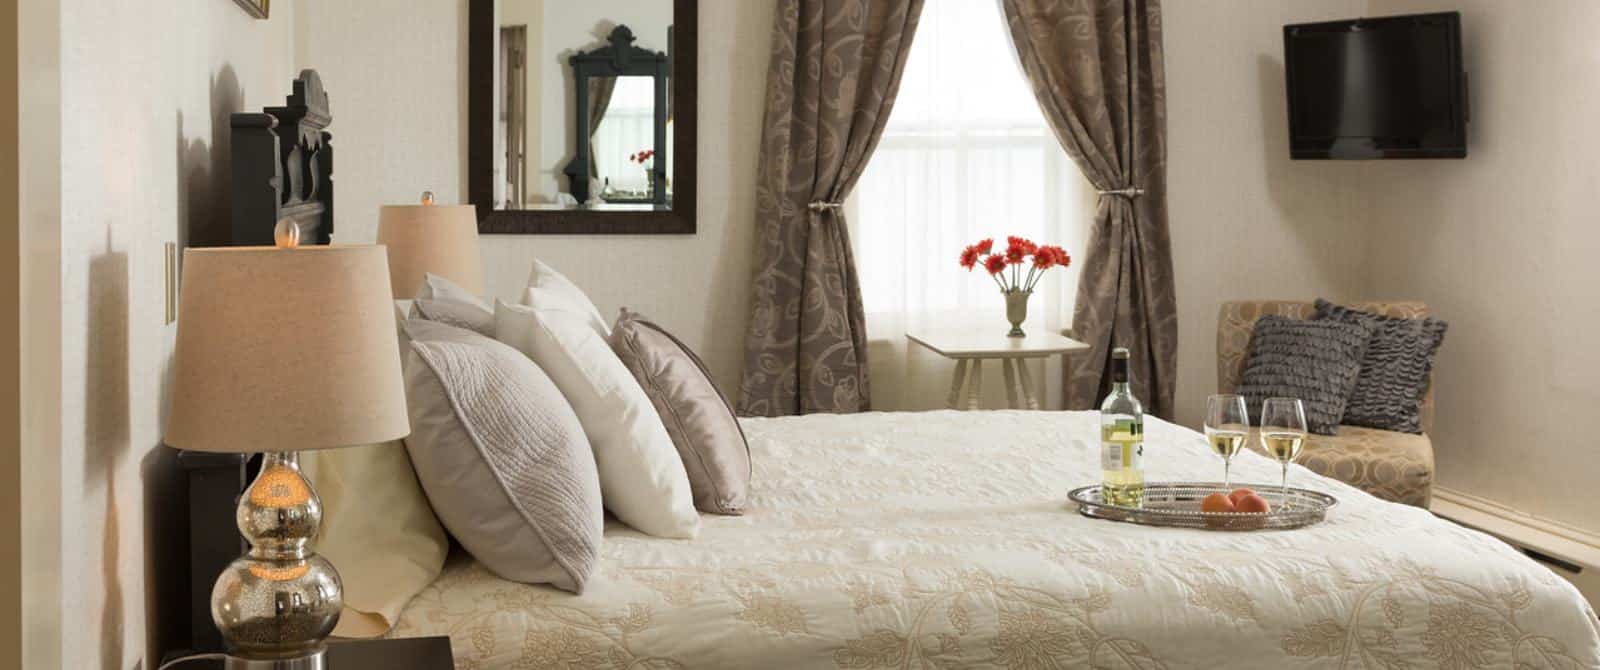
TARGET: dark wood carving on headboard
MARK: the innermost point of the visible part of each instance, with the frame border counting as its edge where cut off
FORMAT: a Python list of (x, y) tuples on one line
[(283, 167)]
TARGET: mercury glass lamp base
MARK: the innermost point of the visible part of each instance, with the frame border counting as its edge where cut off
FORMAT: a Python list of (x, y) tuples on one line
[(276, 605), (316, 660)]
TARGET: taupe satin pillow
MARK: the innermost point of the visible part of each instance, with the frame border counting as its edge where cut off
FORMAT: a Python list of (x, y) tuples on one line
[(502, 457), (698, 417)]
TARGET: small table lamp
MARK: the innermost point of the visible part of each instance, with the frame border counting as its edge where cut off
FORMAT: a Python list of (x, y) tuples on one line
[(441, 239), (281, 350)]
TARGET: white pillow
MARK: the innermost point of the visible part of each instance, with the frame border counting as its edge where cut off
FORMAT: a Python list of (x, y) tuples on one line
[(642, 479), (402, 311), (438, 288), (548, 289)]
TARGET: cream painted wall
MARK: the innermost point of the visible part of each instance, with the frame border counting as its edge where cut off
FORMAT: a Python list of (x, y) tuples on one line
[(145, 90), (393, 143), (697, 286), (1504, 245), (1246, 221), (396, 78)]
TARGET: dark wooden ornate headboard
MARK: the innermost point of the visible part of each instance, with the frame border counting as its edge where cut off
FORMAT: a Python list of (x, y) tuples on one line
[(283, 167)]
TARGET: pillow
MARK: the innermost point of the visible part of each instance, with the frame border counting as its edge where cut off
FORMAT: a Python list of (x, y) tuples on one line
[(377, 529), (402, 312), (698, 417), (1394, 371), (435, 287), (642, 479), (502, 457), (548, 289), (458, 314), (1315, 361)]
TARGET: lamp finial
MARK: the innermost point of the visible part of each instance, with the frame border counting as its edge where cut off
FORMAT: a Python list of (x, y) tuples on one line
[(286, 234)]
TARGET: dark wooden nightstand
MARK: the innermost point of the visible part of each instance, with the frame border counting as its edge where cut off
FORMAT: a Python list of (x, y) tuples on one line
[(410, 653)]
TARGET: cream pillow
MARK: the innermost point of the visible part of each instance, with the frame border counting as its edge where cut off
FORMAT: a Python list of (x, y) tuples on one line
[(378, 531), (548, 289), (642, 479)]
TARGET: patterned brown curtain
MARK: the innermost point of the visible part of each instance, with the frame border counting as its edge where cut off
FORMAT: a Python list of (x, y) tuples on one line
[(1096, 68), (834, 73), (600, 90)]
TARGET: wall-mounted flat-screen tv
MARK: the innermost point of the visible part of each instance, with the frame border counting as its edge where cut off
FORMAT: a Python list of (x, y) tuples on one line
[(1390, 87)]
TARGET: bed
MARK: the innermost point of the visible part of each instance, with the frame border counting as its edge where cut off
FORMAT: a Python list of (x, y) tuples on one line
[(943, 540)]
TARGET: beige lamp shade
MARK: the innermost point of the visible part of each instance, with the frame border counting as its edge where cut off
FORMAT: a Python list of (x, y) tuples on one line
[(441, 239), (285, 350)]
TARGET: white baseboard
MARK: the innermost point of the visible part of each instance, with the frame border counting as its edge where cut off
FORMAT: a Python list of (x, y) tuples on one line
[(1576, 547)]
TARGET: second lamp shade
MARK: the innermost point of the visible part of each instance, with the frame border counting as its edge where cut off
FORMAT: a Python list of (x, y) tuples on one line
[(441, 239)]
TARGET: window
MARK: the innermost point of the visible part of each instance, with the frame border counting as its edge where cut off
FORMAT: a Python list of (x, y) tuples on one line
[(627, 127), (966, 154)]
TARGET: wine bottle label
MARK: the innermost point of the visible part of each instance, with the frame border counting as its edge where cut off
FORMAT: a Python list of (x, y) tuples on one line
[(1111, 457), (1122, 445)]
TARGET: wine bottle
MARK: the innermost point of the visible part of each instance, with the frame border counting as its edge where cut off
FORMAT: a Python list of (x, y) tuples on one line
[(1122, 438)]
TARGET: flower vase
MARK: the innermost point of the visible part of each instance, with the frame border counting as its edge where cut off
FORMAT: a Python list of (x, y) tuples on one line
[(1017, 310)]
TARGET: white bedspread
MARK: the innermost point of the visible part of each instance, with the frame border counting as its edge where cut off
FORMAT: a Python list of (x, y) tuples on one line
[(941, 540)]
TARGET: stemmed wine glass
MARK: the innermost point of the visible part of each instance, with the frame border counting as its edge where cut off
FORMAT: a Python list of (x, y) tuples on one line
[(1227, 427), (1283, 433)]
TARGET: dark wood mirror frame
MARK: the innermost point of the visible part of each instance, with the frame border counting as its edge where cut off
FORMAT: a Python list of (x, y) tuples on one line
[(680, 220)]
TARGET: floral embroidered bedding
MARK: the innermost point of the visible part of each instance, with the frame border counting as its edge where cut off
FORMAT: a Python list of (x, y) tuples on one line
[(944, 540)]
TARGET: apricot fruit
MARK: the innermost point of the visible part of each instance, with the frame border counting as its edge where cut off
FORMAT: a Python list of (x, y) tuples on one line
[(1217, 502), (1252, 503), (1240, 493)]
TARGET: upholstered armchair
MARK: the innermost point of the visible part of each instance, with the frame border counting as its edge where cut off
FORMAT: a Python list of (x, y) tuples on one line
[(1393, 466)]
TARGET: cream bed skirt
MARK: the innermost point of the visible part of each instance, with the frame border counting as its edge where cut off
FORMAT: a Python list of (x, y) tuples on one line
[(943, 540)]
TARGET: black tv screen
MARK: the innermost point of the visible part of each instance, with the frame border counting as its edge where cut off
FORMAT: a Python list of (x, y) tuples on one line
[(1390, 87)]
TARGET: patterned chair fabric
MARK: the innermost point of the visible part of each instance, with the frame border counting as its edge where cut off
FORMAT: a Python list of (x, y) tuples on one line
[(1393, 466)]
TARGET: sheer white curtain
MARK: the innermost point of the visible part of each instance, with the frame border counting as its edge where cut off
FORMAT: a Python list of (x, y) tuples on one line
[(966, 155), (627, 127)]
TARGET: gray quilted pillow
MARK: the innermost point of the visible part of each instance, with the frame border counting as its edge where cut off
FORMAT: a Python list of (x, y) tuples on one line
[(502, 457), (1394, 371), (1315, 361)]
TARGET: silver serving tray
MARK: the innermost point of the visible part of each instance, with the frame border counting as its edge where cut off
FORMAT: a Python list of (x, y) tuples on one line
[(1177, 504)]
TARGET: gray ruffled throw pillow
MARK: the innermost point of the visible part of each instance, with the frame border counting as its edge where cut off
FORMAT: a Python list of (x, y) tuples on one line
[(1394, 372), (1315, 361)]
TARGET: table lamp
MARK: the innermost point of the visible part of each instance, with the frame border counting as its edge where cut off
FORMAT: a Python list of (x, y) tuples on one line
[(279, 350), (430, 238)]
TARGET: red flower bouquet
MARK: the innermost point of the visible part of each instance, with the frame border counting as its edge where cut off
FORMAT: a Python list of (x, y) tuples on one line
[(1018, 252), (1017, 284)]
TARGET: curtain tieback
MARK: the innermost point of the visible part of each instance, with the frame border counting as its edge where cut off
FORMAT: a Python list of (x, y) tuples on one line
[(820, 205), (1130, 192)]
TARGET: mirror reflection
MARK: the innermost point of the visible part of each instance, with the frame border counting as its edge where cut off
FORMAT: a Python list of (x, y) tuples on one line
[(583, 103)]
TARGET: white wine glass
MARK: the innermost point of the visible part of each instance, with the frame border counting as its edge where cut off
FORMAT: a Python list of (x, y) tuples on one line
[(1283, 433), (1227, 428)]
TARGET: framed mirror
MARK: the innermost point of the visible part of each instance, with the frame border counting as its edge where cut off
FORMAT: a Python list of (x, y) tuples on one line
[(581, 116)]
